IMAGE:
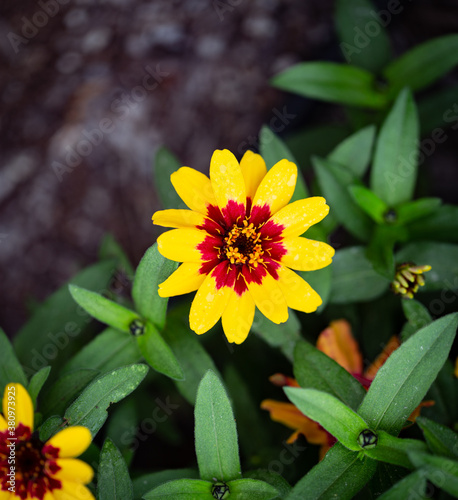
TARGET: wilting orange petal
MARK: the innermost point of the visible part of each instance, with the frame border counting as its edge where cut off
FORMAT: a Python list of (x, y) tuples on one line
[(372, 370), (338, 343), (282, 380), (416, 413)]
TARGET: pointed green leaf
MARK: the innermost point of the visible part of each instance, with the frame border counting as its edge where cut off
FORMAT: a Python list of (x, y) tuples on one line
[(10, 368), (334, 180), (441, 440), (442, 472), (314, 370), (36, 383), (360, 46), (380, 249), (113, 480), (90, 408), (110, 349), (158, 353), (181, 489), (337, 418), (273, 149), (60, 317), (354, 278), (152, 270), (355, 152), (417, 209), (341, 474), (394, 170), (423, 64), (147, 482), (339, 83), (417, 315), (251, 489), (103, 309), (414, 485), (215, 432), (50, 427), (111, 249), (442, 225), (274, 479), (369, 202), (165, 163), (402, 382)]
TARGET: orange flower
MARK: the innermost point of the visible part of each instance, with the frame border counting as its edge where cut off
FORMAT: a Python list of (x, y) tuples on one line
[(338, 343)]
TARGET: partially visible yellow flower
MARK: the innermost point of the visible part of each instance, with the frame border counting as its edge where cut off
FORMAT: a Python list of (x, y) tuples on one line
[(239, 241), (43, 471), (408, 279), (339, 344)]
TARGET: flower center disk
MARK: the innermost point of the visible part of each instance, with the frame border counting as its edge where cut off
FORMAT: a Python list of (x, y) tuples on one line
[(242, 245)]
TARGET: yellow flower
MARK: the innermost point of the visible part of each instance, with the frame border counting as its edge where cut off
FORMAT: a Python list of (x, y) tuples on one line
[(30, 469), (239, 241)]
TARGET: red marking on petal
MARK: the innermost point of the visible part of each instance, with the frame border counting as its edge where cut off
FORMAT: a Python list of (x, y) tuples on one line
[(271, 267), (209, 247), (212, 227), (260, 214), (207, 267), (271, 230), (274, 249), (214, 213), (220, 273), (254, 274), (233, 213)]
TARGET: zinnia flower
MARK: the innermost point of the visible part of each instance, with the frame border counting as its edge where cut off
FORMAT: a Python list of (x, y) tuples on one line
[(30, 469), (338, 343), (239, 241)]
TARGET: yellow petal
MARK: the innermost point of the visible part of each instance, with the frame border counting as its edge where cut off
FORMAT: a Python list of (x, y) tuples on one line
[(3, 424), (227, 179), (47, 496), (6, 495), (71, 441), (297, 217), (20, 405), (269, 299), (306, 255), (253, 169), (184, 280), (194, 188), (277, 187), (73, 469), (208, 305), (338, 343), (298, 293), (73, 491), (238, 317), (180, 245), (178, 218)]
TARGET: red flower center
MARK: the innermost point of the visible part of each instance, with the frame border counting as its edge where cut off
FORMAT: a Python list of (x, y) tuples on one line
[(27, 465)]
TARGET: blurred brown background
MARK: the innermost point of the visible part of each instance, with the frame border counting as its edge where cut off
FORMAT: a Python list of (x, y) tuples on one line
[(90, 90)]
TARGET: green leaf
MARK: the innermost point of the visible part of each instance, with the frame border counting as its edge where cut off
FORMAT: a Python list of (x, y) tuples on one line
[(442, 225), (50, 427), (394, 450), (354, 278), (158, 354), (278, 482), (341, 474), (273, 149), (369, 202), (321, 281), (339, 83), (110, 349), (402, 382), (103, 309), (90, 408), (314, 370), (337, 418), (62, 321), (417, 209), (147, 482), (182, 489), (165, 163), (251, 489), (413, 484), (380, 249), (65, 390), (10, 368), (282, 336), (355, 152), (360, 45), (417, 316), (113, 480), (193, 358), (394, 169), (36, 383), (445, 409), (442, 472), (441, 440), (333, 180), (111, 249), (215, 432), (152, 270), (443, 259), (423, 64)]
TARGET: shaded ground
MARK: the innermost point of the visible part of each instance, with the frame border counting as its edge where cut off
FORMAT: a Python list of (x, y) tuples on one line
[(90, 95)]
